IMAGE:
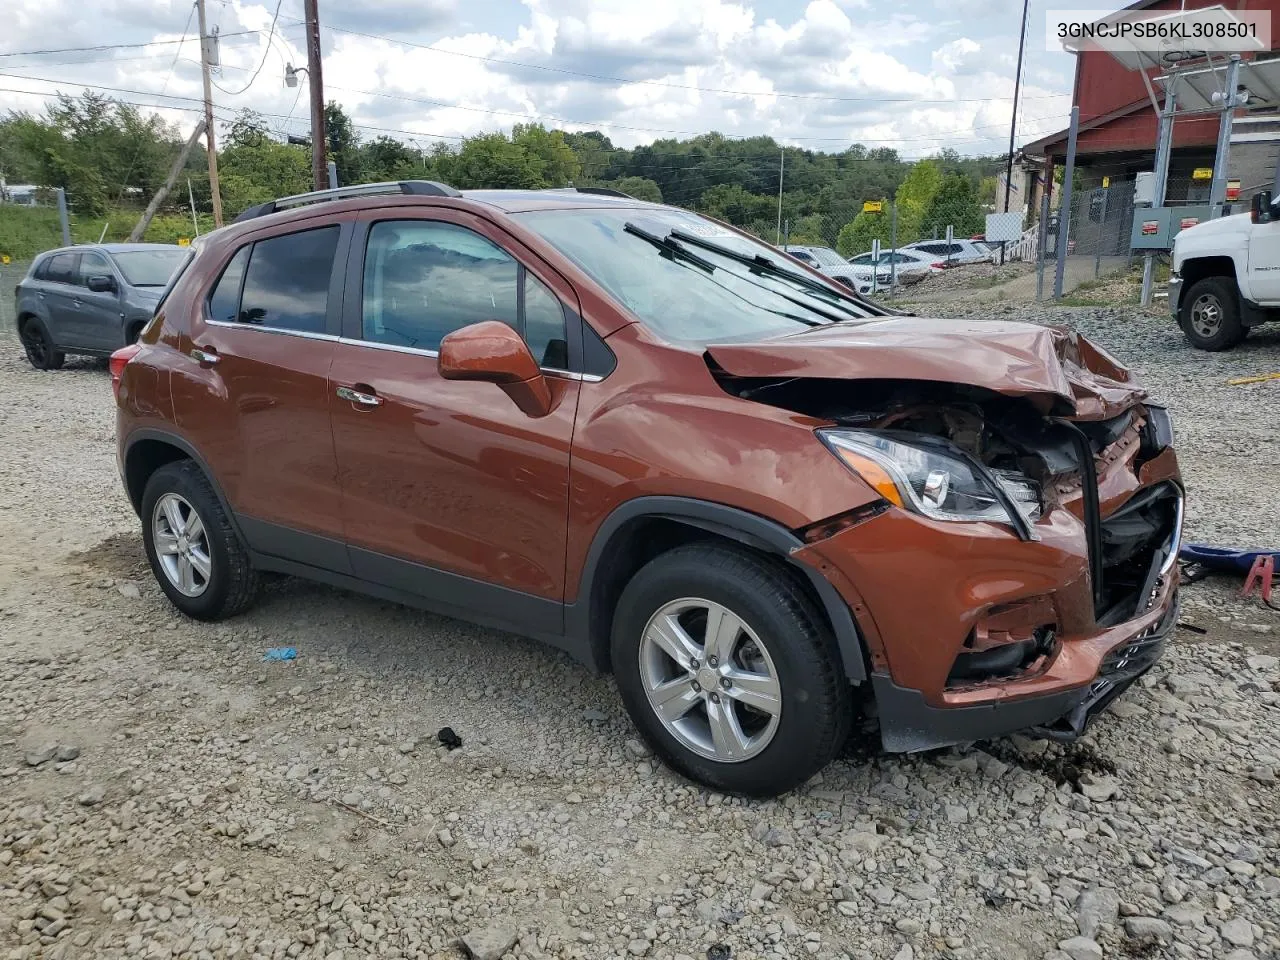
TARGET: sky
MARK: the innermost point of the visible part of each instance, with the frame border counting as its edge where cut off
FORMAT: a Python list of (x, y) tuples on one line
[(916, 76)]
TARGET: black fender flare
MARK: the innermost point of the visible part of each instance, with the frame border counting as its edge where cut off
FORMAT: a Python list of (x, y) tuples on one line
[(732, 523), (174, 440)]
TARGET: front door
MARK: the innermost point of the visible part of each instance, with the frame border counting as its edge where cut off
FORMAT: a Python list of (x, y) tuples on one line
[(254, 389), (449, 490), (1264, 262), (99, 312)]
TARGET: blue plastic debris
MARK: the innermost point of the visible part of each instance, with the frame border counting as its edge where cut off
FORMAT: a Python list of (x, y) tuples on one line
[(282, 653)]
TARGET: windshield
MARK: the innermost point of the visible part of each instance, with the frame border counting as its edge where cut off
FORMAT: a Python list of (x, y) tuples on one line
[(149, 268), (687, 292)]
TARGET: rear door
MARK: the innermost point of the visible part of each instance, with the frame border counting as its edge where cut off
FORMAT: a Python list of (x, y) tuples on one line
[(449, 490), (98, 313), (254, 392), (59, 292)]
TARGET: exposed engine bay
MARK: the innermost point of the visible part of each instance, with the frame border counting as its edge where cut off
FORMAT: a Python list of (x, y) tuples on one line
[(1092, 468)]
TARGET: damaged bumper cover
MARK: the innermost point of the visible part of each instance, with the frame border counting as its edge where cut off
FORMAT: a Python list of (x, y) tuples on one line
[(909, 723), (957, 598)]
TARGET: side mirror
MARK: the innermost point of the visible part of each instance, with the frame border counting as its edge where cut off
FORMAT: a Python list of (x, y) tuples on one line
[(1260, 209), (493, 352), (101, 284)]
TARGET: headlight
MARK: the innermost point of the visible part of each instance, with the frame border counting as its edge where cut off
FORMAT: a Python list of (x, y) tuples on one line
[(931, 479)]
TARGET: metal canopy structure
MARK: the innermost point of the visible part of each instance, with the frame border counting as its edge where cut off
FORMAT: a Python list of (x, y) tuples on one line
[(1169, 50), (1192, 83), (1200, 90)]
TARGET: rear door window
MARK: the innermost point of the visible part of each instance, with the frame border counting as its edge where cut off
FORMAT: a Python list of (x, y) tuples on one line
[(286, 283), (63, 268)]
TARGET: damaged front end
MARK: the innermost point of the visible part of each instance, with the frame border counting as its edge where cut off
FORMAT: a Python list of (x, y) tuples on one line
[(1027, 577)]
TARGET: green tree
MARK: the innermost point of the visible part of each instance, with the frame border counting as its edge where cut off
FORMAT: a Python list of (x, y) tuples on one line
[(955, 204), (559, 164), (493, 161), (856, 235), (914, 196), (733, 203), (342, 144)]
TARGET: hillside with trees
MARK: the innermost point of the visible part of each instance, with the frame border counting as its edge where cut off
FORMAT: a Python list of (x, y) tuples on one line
[(110, 157)]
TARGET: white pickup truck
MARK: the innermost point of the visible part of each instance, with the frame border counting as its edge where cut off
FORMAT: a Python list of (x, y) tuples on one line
[(1226, 276)]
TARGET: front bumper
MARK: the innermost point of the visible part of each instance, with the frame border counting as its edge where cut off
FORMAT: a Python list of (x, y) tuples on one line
[(1175, 294), (930, 596), (908, 723)]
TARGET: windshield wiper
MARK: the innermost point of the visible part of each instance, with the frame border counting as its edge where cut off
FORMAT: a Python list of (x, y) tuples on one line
[(669, 246), (765, 265)]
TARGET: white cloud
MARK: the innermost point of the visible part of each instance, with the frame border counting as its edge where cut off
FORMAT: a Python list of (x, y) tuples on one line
[(824, 76)]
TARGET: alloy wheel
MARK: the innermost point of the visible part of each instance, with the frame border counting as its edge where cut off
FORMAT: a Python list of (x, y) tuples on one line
[(1206, 315), (34, 342), (181, 544), (710, 680)]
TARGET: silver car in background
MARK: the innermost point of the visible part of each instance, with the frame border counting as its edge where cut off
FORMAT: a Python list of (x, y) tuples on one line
[(903, 267), (825, 260), (91, 299)]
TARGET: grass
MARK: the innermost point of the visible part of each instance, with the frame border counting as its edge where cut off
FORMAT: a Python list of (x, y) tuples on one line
[(26, 231)]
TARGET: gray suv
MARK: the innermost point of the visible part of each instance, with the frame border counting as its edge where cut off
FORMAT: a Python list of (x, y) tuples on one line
[(91, 299)]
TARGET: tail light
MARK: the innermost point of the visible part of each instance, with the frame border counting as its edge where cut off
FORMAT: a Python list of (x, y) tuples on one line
[(939, 265), (119, 360)]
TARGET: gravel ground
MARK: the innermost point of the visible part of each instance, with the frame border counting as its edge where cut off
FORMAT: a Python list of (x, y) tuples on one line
[(165, 793)]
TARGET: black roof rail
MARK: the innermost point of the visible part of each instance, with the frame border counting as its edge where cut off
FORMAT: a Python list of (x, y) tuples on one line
[(412, 188), (604, 192)]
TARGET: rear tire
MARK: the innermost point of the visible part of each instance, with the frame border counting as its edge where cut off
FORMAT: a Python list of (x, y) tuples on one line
[(767, 705), (1210, 315), (194, 552), (39, 347)]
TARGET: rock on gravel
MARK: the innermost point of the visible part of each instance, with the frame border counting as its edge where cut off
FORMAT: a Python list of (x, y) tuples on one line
[(1081, 948), (489, 943), (1095, 907)]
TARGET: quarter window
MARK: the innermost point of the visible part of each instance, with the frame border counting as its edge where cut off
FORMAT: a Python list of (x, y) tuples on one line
[(224, 302), (425, 279), (286, 284)]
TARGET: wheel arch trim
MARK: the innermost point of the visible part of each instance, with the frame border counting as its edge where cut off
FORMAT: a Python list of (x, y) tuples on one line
[(732, 523), (179, 443)]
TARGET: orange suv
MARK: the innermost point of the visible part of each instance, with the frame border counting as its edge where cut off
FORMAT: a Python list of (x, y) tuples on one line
[(663, 446)]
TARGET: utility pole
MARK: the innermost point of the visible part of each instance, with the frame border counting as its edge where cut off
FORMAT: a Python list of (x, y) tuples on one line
[(1013, 122), (208, 117), (319, 168), (178, 164)]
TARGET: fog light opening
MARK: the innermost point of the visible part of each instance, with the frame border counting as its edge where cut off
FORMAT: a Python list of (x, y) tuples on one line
[(1003, 661)]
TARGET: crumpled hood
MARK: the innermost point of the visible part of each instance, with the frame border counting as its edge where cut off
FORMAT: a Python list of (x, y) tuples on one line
[(1061, 370)]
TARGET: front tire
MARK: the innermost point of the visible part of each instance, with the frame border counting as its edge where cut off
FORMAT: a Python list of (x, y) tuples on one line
[(728, 671), (1210, 315), (39, 347), (194, 553)]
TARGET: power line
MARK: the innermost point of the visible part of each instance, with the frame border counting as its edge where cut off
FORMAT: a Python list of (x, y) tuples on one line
[(392, 130), (261, 63), (445, 105), (663, 83), (111, 46)]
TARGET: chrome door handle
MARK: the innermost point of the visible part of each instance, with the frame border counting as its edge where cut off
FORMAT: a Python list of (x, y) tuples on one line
[(207, 357), (355, 396)]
